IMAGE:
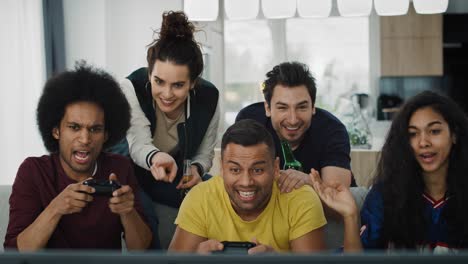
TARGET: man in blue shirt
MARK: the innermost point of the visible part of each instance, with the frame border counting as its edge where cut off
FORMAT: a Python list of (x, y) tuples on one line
[(318, 139)]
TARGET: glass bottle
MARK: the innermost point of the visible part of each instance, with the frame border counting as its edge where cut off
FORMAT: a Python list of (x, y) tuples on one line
[(187, 176), (289, 161)]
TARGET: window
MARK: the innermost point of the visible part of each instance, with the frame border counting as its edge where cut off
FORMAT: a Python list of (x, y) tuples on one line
[(336, 50), (248, 56)]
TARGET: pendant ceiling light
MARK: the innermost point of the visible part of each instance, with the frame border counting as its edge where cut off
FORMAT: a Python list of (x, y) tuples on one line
[(312, 9), (279, 8), (201, 10), (355, 7), (241, 9), (430, 6), (391, 8), (207, 10)]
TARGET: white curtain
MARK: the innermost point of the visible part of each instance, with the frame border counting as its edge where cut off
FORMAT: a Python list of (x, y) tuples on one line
[(22, 76)]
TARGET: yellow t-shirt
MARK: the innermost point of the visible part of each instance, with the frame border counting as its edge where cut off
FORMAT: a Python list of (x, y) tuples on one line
[(207, 212)]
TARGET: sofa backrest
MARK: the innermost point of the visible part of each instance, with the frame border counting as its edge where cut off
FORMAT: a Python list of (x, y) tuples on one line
[(5, 191)]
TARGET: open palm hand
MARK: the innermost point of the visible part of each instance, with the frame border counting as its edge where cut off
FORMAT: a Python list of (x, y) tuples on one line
[(336, 196)]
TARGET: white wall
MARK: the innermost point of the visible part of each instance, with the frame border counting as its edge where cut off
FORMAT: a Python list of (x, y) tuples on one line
[(112, 34), (85, 31), (22, 74)]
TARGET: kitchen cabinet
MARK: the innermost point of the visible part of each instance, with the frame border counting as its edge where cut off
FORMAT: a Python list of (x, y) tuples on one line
[(411, 45)]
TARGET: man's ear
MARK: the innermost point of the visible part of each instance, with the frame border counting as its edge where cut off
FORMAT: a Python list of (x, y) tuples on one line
[(454, 139), (106, 136), (267, 108), (55, 133), (313, 110)]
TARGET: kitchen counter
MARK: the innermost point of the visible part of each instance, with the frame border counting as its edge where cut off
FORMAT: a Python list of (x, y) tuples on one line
[(363, 165), (364, 161)]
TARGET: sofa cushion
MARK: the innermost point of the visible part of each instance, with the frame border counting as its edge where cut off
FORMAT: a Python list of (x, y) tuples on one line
[(5, 191), (334, 229)]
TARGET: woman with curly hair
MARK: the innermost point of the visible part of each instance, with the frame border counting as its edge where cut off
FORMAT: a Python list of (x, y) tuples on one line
[(419, 199), (175, 117), (79, 113)]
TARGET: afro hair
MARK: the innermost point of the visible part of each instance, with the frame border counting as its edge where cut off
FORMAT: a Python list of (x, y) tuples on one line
[(83, 84)]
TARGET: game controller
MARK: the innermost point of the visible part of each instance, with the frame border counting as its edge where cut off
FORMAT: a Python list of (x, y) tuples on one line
[(103, 187), (236, 247)]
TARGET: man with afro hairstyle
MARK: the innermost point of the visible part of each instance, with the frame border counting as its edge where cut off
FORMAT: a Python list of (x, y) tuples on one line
[(80, 113)]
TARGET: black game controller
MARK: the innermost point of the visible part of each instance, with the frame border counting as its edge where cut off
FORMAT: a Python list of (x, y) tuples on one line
[(103, 187), (236, 247)]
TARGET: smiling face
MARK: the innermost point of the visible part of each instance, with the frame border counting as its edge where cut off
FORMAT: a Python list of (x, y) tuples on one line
[(291, 112), (248, 174), (170, 86), (431, 141), (81, 135)]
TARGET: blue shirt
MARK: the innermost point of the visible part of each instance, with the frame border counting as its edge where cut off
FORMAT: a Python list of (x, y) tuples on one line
[(372, 217)]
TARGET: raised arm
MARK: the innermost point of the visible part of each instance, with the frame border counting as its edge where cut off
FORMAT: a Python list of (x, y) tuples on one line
[(339, 198)]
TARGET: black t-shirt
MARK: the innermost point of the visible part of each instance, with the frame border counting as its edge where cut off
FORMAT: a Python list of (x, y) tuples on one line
[(325, 143)]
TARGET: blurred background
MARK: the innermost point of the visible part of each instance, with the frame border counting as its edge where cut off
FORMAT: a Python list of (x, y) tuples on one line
[(365, 65)]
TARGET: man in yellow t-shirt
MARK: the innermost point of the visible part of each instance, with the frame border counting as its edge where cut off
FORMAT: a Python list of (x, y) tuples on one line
[(244, 204)]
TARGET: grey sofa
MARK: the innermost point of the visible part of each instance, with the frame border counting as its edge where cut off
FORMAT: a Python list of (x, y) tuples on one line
[(5, 191), (334, 228)]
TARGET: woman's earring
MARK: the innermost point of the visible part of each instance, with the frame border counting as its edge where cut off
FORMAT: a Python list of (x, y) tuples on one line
[(146, 85)]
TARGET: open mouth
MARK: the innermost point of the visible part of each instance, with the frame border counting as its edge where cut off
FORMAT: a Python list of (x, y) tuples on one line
[(427, 157), (292, 129), (167, 102), (246, 196), (81, 156)]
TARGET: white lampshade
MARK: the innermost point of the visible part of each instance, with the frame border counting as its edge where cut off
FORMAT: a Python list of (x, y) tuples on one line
[(430, 6), (355, 7), (241, 9), (279, 8), (317, 8), (201, 10), (391, 7)]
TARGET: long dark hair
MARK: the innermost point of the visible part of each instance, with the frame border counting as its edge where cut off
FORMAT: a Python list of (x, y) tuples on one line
[(399, 177), (176, 43)]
